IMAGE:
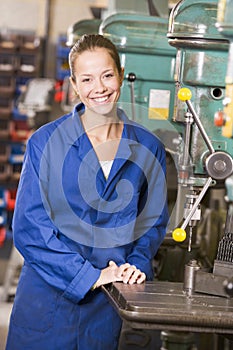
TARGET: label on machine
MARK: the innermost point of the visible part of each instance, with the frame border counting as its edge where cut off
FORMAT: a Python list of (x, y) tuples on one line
[(159, 101)]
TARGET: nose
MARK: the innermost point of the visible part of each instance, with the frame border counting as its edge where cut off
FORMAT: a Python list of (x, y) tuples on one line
[(100, 86)]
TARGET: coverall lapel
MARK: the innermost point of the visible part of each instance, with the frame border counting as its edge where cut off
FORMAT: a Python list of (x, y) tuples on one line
[(123, 153)]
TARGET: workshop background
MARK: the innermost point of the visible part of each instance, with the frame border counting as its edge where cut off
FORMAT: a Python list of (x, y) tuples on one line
[(164, 45)]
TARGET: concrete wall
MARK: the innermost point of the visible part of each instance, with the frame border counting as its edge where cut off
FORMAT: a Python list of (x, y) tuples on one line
[(31, 14)]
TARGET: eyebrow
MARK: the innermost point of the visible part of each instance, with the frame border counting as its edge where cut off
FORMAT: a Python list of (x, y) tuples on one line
[(105, 71), (85, 75), (108, 70)]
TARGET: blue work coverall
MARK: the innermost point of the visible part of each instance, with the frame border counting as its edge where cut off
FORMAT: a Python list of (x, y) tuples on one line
[(69, 222)]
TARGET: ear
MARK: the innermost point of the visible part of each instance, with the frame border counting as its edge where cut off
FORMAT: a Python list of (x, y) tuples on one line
[(72, 82), (122, 75)]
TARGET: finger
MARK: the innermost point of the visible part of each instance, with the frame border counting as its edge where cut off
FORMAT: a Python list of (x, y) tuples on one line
[(137, 277), (141, 278), (122, 268), (128, 273), (127, 268), (134, 276)]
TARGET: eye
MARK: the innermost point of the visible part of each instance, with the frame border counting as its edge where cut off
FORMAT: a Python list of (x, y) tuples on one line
[(109, 75), (86, 80)]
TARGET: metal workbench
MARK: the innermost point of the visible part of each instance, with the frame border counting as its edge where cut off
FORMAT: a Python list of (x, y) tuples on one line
[(164, 305)]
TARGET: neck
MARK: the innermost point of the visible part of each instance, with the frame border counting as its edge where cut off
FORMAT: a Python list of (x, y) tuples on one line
[(100, 126)]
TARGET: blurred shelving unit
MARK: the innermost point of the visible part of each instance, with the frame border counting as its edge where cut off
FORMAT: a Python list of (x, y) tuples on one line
[(20, 61)]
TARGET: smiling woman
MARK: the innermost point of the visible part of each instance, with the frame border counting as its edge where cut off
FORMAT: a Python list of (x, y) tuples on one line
[(96, 76), (91, 209)]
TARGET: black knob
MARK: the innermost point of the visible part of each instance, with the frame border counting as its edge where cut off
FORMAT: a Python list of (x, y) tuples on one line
[(228, 287), (131, 77)]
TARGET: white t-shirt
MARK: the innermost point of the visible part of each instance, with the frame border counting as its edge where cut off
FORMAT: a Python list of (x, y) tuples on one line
[(106, 167)]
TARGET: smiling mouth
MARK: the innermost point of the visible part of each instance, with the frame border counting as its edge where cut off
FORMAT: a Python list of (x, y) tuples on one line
[(101, 99)]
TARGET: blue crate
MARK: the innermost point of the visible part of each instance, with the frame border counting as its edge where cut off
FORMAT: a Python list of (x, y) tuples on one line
[(17, 153), (3, 217), (3, 198), (62, 69), (18, 116), (62, 49)]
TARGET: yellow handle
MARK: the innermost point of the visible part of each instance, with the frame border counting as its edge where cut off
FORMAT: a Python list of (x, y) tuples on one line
[(184, 94), (179, 234)]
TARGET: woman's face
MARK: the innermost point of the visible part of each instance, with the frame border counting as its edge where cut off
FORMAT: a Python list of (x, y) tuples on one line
[(97, 80)]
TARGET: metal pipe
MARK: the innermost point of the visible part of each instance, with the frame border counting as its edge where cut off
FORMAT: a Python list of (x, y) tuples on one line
[(188, 121), (197, 202), (47, 35), (131, 78), (152, 9), (200, 126)]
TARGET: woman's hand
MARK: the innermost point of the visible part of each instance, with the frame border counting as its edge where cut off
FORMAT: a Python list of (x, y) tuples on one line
[(130, 274), (125, 273), (109, 274)]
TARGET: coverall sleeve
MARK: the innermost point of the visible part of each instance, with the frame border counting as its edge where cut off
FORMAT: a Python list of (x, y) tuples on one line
[(146, 247), (37, 238)]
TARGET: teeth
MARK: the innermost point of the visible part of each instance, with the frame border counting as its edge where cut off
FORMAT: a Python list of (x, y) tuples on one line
[(101, 99)]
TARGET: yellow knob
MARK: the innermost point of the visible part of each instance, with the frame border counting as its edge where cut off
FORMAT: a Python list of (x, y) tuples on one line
[(184, 94), (179, 234)]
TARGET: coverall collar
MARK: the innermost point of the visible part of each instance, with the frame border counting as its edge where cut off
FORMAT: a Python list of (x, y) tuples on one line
[(124, 151)]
